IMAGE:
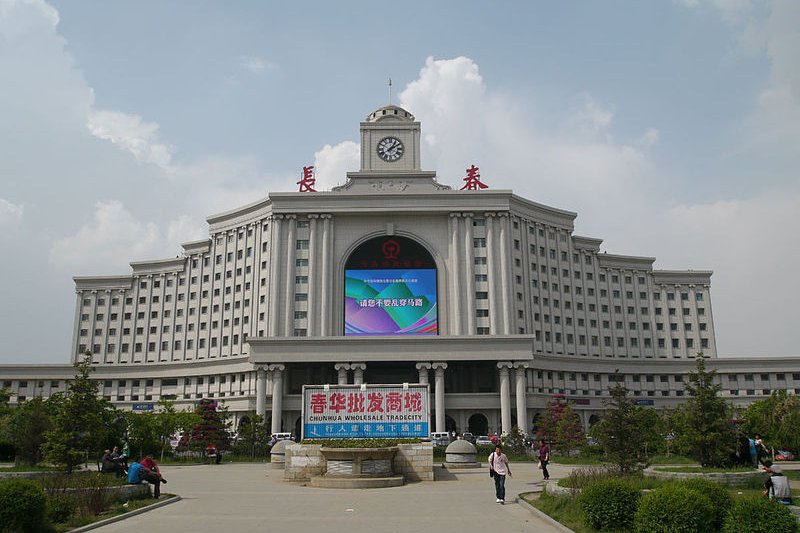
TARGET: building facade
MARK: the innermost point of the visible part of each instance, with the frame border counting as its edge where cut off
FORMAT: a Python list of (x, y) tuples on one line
[(391, 278)]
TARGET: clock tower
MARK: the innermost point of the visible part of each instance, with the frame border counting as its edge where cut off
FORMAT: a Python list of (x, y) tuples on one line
[(390, 155)]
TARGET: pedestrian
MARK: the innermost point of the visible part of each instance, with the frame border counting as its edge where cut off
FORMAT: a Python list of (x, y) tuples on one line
[(109, 464), (119, 458), (544, 458), (138, 473), (751, 444), (499, 469), (776, 487)]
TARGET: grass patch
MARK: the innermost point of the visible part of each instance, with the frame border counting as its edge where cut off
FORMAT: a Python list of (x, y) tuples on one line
[(703, 470), (561, 508), (672, 460), (115, 510), (29, 468), (575, 460)]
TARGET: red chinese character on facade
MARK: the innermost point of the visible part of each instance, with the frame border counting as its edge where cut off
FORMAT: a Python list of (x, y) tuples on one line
[(318, 403), (308, 180), (355, 402), (473, 181), (336, 402), (394, 401), (413, 401), (375, 402)]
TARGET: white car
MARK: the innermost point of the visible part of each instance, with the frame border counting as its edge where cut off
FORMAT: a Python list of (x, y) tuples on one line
[(483, 440)]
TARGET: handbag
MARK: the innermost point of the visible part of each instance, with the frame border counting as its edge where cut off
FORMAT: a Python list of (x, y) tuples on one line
[(491, 467)]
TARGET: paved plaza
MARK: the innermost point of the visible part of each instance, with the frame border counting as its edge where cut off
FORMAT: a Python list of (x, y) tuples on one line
[(248, 497)]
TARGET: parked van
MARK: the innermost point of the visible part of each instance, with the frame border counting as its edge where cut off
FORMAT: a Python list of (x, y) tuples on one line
[(440, 438)]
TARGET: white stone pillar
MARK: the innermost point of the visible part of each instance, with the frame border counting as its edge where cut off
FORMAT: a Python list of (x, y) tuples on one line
[(505, 399), (289, 285), (324, 311), (358, 372), (439, 395), (520, 371), (312, 316), (423, 372), (455, 287), (505, 286), (341, 369), (277, 396), (261, 391), (469, 264), (273, 296)]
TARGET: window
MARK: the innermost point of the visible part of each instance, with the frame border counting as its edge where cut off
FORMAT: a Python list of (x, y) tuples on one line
[(479, 243), (480, 261), (481, 277), (482, 330), (481, 295), (302, 244), (297, 262), (300, 297)]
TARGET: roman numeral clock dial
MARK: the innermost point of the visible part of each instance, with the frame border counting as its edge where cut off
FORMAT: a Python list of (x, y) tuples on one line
[(390, 149)]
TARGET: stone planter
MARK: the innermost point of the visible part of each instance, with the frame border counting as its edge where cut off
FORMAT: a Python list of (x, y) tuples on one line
[(277, 454), (359, 462), (731, 479)]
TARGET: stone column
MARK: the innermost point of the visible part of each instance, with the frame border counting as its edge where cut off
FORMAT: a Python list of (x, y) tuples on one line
[(277, 396), (341, 369), (469, 264), (289, 285), (520, 371), (455, 287), (312, 316), (439, 395), (358, 372), (324, 312), (261, 391), (505, 400), (274, 274), (423, 372)]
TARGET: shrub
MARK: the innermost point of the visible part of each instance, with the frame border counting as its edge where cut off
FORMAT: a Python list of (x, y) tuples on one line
[(609, 504), (674, 509), (754, 514), (719, 496), (22, 506), (60, 508)]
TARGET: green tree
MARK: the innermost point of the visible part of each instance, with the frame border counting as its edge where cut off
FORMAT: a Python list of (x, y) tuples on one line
[(6, 440), (514, 442), (83, 422), (142, 432), (26, 426), (625, 430), (704, 428), (776, 419), (168, 421), (253, 436)]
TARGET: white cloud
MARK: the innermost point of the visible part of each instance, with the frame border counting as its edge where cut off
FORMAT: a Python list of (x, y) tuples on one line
[(114, 237), (650, 137), (10, 214), (130, 133), (332, 163), (255, 64), (19, 18)]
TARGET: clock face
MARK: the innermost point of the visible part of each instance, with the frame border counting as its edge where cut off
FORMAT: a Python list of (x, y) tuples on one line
[(390, 149)]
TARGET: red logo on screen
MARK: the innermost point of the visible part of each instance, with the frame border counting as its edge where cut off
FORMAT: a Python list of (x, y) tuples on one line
[(391, 249)]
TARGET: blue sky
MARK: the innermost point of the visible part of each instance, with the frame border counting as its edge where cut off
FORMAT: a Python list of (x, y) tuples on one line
[(671, 127)]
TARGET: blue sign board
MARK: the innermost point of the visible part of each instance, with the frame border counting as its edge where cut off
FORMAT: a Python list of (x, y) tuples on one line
[(142, 407), (645, 402)]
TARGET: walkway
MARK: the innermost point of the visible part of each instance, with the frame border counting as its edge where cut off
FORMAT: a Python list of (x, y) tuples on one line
[(245, 497)]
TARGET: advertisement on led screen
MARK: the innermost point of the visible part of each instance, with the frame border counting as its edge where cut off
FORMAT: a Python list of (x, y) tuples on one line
[(390, 302)]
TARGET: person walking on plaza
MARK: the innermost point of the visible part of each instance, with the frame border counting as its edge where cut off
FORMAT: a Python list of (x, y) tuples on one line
[(544, 458), (499, 469)]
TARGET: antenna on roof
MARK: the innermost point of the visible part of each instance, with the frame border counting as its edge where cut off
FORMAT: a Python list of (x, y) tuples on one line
[(390, 91)]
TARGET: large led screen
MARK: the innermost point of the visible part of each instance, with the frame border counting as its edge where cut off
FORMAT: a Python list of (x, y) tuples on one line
[(390, 302)]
